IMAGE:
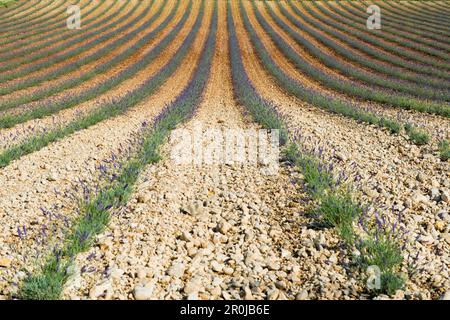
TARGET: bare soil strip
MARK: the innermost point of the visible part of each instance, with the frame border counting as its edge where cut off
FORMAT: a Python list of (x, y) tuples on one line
[(242, 241), (25, 130), (394, 175), (435, 125), (59, 166)]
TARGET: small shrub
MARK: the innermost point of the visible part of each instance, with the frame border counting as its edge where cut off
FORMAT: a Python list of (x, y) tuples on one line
[(444, 150)]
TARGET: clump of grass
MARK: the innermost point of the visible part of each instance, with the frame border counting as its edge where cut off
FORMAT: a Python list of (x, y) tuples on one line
[(418, 136), (444, 150), (339, 210), (385, 253), (48, 284)]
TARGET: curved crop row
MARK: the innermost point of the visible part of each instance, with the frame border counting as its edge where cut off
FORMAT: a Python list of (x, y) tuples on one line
[(417, 24), (311, 96), (441, 9), (394, 41), (335, 205), (110, 109), (65, 34), (49, 283), (72, 53), (361, 33), (350, 71), (36, 20), (72, 100), (35, 30), (14, 9), (61, 71), (27, 16), (355, 57), (347, 87), (347, 35), (417, 37), (418, 16)]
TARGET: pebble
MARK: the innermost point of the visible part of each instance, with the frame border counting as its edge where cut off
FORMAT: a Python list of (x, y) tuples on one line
[(176, 270), (302, 295), (142, 293), (5, 262), (103, 289)]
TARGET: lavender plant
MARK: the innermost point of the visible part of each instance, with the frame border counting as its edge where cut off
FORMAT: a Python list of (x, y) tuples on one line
[(419, 91), (444, 150), (97, 212), (114, 108), (335, 205), (362, 33), (37, 43), (348, 87), (348, 36)]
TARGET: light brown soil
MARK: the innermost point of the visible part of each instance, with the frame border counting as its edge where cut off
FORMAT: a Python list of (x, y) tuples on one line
[(387, 164)]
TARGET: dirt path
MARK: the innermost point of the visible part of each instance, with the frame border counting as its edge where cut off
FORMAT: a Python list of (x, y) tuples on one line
[(29, 183), (212, 231), (394, 174)]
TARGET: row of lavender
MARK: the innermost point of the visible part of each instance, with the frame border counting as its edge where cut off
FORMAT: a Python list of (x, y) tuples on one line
[(350, 88), (107, 109), (374, 238), (96, 212)]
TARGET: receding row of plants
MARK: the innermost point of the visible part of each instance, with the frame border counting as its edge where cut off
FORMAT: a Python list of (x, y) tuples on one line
[(318, 98), (65, 33), (96, 214), (342, 50), (436, 7), (77, 65), (110, 109), (361, 33), (350, 71), (335, 205), (55, 11), (95, 37), (350, 88), (12, 7), (424, 17), (396, 39), (48, 108), (429, 37), (417, 27), (19, 16), (15, 37), (359, 41), (439, 10), (46, 16)]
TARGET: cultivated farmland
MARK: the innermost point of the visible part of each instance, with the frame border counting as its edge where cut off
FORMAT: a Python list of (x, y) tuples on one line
[(117, 179)]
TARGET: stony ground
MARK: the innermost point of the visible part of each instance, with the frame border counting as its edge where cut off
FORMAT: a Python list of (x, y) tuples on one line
[(227, 230), (214, 231)]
